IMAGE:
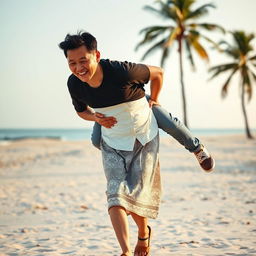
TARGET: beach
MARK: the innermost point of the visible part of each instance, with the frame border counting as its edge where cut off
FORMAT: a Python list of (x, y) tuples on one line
[(52, 195)]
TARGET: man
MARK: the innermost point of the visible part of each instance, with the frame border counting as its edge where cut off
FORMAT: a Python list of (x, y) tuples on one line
[(129, 142)]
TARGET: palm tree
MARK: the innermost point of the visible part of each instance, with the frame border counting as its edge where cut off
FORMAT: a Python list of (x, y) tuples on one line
[(183, 30), (243, 63)]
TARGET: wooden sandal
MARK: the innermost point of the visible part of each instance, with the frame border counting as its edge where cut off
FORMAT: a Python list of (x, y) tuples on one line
[(145, 249)]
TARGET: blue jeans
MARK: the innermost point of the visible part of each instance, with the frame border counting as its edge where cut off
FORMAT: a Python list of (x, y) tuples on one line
[(172, 126)]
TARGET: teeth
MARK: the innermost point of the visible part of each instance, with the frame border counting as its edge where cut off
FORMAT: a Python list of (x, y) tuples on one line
[(82, 73)]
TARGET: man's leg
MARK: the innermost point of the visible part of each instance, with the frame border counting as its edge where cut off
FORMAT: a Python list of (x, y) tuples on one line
[(142, 247), (120, 224)]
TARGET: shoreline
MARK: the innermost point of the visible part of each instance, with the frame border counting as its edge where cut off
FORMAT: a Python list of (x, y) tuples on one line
[(85, 133)]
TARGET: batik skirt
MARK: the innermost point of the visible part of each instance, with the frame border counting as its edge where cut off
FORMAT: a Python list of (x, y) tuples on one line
[(133, 177)]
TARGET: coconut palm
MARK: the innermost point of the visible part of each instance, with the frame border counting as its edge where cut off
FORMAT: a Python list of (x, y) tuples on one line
[(183, 30), (244, 63)]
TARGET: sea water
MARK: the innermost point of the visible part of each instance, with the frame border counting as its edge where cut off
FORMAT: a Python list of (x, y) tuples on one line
[(85, 133)]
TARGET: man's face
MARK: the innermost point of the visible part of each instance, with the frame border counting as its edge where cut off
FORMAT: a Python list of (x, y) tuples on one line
[(83, 63)]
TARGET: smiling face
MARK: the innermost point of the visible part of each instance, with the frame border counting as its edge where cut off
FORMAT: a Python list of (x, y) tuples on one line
[(83, 63)]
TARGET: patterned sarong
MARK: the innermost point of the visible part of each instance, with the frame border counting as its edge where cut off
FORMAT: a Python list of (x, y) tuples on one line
[(133, 177)]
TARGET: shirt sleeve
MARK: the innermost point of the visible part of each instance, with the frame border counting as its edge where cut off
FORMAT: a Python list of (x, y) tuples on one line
[(137, 73), (131, 72), (78, 104)]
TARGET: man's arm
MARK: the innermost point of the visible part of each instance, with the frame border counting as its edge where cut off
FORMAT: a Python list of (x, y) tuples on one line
[(156, 83), (90, 115)]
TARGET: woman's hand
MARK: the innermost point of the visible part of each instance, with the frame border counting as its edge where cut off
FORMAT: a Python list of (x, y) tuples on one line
[(107, 122), (152, 102)]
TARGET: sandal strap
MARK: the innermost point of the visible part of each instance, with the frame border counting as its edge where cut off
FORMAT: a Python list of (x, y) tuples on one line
[(143, 239), (147, 238)]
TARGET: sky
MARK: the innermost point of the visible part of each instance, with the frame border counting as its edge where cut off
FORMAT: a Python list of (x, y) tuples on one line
[(34, 70)]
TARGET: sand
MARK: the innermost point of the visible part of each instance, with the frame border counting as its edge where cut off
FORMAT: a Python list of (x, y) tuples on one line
[(52, 196)]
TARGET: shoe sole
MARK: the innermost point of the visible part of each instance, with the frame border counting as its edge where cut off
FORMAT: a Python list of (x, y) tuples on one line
[(210, 170)]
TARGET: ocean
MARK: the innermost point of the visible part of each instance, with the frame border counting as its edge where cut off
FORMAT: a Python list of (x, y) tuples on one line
[(85, 133)]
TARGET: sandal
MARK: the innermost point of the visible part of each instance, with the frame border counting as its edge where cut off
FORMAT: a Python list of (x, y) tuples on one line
[(145, 249)]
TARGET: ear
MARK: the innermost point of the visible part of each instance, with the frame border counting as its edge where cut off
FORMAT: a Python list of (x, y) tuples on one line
[(97, 56)]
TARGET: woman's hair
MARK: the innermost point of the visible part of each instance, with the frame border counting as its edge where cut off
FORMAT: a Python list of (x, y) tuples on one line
[(75, 41)]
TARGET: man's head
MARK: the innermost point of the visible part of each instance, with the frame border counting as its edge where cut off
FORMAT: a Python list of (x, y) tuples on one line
[(82, 55)]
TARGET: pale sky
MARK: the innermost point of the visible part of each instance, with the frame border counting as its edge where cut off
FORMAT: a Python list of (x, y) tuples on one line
[(34, 71)]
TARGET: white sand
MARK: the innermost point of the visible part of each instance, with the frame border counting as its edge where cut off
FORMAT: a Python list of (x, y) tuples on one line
[(52, 196)]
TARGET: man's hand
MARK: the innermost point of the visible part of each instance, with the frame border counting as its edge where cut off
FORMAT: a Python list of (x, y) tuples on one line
[(107, 122)]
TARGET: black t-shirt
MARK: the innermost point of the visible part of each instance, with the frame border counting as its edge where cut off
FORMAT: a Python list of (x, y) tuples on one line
[(122, 82)]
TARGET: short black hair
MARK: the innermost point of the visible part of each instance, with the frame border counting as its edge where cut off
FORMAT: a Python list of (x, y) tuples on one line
[(75, 41)]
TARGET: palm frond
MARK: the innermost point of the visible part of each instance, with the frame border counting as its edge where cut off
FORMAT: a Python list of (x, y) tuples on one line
[(164, 11), (173, 36), (156, 46), (151, 33), (242, 40), (190, 56), (222, 68), (230, 50), (246, 82), (207, 26), (193, 39), (224, 89), (154, 28), (165, 54), (249, 92), (252, 58), (200, 50), (153, 10), (253, 75), (187, 4), (182, 8), (201, 36), (182, 4), (200, 11)]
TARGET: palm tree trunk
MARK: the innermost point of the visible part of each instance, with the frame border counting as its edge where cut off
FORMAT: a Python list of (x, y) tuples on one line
[(247, 129), (182, 84)]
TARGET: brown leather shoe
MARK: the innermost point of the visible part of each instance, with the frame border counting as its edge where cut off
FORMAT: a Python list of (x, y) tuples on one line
[(144, 249)]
